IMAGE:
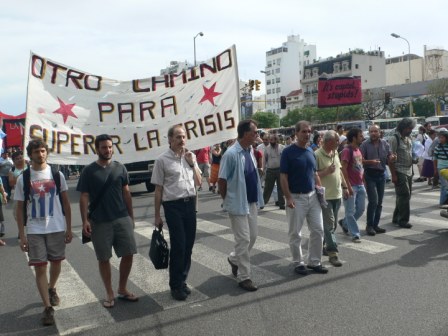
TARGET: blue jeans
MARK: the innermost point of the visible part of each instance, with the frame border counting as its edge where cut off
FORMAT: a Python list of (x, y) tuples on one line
[(375, 193), (354, 208), (181, 220)]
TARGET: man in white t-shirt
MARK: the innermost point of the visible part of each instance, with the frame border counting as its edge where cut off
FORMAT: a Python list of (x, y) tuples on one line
[(47, 231)]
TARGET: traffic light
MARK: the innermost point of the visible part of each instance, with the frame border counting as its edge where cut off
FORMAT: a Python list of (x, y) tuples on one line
[(251, 84), (387, 98), (257, 85), (283, 102)]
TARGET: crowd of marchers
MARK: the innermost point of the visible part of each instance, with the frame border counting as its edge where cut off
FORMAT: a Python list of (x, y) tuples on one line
[(309, 176)]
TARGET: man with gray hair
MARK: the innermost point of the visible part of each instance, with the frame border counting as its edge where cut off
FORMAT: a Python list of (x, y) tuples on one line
[(402, 171), (331, 177)]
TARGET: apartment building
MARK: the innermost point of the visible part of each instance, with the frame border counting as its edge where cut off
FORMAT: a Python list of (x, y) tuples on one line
[(370, 66), (284, 70)]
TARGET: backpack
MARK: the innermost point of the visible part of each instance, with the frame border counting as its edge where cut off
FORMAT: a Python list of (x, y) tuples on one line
[(27, 184)]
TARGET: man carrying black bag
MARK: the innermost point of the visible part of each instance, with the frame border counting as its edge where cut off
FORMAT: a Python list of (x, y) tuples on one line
[(175, 175), (107, 216)]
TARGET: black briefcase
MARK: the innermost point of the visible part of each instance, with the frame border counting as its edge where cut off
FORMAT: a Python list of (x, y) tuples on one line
[(159, 251)]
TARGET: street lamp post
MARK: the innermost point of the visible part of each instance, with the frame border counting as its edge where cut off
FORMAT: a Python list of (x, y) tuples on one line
[(409, 64), (194, 45)]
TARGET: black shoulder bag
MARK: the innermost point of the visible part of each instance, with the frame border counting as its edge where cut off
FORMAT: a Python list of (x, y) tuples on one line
[(93, 205)]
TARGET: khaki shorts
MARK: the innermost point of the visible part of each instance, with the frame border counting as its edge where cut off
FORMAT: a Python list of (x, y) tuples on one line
[(118, 234), (205, 169), (46, 247)]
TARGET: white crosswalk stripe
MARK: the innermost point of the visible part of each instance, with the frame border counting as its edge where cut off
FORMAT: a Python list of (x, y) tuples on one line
[(76, 313)]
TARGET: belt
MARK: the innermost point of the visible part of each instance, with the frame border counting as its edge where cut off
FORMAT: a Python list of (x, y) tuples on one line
[(183, 200), (304, 193)]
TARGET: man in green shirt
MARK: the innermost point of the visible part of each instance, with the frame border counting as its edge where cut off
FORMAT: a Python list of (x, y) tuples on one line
[(331, 177)]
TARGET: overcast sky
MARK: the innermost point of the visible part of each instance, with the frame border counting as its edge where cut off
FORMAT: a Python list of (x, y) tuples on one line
[(136, 38)]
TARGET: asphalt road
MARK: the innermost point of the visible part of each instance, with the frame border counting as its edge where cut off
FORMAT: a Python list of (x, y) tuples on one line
[(390, 284)]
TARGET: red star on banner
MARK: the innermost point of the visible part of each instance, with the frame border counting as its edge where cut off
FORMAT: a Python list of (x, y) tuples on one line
[(65, 110), (210, 94)]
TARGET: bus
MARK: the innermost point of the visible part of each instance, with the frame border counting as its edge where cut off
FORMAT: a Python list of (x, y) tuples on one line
[(391, 123), (361, 124), (437, 120)]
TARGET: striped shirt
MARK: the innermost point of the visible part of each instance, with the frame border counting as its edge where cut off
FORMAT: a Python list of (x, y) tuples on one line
[(441, 155)]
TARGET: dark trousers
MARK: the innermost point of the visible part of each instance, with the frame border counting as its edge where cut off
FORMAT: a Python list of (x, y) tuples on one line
[(375, 192), (5, 181), (180, 217), (272, 176), (403, 191)]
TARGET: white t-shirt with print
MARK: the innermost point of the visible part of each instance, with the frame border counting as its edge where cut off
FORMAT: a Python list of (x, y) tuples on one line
[(44, 210)]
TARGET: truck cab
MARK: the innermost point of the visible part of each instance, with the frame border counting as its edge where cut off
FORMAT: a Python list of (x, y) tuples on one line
[(141, 172)]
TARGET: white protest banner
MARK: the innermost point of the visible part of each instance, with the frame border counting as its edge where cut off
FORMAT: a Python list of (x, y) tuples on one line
[(68, 108)]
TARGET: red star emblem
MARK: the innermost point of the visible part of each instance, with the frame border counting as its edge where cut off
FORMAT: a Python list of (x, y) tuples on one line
[(65, 110), (210, 94)]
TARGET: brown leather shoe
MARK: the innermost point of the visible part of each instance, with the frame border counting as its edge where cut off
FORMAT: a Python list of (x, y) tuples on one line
[(234, 268), (248, 285)]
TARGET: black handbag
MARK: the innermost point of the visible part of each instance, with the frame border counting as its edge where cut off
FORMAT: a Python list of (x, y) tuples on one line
[(159, 251)]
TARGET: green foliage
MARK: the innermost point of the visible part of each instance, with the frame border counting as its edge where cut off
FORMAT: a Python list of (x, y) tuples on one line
[(266, 119), (423, 107), (323, 115)]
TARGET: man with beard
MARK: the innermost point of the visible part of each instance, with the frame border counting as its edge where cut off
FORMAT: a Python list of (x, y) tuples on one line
[(107, 217), (401, 171), (272, 154)]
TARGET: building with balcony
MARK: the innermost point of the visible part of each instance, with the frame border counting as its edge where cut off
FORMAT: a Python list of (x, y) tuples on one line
[(294, 100), (284, 70), (370, 66)]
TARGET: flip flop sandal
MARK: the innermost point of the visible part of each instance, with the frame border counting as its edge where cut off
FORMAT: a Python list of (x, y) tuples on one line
[(109, 304), (128, 297)]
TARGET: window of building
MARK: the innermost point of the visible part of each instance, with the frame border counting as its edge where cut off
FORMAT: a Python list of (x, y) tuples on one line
[(307, 73), (273, 62), (278, 90), (268, 72), (345, 66), (307, 89), (315, 72), (336, 67), (269, 64), (277, 80), (370, 68), (356, 66), (277, 70), (268, 82), (268, 91)]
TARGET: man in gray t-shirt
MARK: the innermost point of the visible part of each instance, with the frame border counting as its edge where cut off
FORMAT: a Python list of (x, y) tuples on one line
[(111, 222)]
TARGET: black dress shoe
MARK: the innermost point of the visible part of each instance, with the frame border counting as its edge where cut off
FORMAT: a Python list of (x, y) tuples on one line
[(282, 207), (318, 269), (248, 285), (234, 268), (186, 289), (178, 294), (301, 270), (370, 231), (379, 230), (405, 225)]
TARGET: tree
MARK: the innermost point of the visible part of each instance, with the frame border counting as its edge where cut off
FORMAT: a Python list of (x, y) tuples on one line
[(373, 104), (266, 119), (438, 90)]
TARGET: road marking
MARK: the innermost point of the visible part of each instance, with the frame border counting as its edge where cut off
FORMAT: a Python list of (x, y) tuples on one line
[(368, 246), (74, 314)]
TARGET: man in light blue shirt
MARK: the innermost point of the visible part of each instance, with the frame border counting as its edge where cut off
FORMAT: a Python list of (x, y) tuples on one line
[(239, 186)]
